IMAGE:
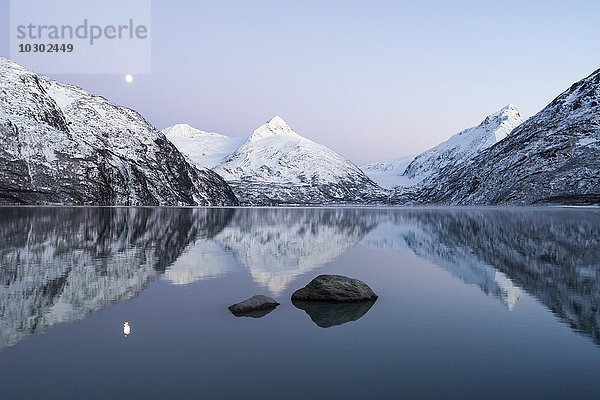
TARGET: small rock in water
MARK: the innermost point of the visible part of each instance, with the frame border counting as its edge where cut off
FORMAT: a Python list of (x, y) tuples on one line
[(335, 288), (251, 306)]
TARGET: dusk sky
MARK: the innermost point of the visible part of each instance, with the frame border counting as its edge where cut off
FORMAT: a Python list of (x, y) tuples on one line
[(371, 80)]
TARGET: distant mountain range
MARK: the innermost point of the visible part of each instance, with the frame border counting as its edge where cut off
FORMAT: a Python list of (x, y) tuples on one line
[(61, 145)]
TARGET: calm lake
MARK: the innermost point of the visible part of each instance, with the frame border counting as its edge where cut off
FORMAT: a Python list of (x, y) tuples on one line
[(474, 303)]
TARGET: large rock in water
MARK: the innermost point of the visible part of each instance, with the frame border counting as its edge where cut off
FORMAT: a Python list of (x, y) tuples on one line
[(60, 144), (256, 306), (334, 288)]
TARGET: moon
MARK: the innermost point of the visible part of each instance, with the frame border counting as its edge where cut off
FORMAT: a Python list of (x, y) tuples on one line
[(128, 78)]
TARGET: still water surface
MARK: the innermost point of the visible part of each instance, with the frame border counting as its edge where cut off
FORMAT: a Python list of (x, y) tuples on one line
[(102, 303)]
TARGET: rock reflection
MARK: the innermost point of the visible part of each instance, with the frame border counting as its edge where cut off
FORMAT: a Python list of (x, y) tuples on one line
[(326, 314), (256, 313)]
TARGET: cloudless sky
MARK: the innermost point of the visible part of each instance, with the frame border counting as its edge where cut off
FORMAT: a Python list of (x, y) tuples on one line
[(371, 80)]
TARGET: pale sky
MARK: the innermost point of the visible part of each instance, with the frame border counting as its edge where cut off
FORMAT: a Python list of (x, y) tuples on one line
[(371, 80)]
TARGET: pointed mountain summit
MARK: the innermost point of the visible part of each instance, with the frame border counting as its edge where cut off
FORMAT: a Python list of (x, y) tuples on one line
[(278, 166), (275, 126), (552, 158), (501, 123), (60, 144)]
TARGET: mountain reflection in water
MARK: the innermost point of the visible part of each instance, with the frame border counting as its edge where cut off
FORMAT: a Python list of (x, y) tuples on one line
[(60, 264)]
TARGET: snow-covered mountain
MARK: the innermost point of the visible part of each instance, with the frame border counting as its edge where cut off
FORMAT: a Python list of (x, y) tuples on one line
[(206, 149), (463, 146), (278, 166), (551, 158), (59, 144), (389, 173), (407, 172)]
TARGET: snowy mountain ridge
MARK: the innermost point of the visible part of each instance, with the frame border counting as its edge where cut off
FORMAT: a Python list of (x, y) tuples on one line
[(275, 153), (410, 171), (464, 145), (187, 131), (276, 165), (60, 144), (552, 158), (205, 149)]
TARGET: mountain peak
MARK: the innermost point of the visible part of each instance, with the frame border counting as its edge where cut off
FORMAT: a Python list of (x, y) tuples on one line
[(509, 109), (502, 123), (508, 112), (277, 121), (275, 126)]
